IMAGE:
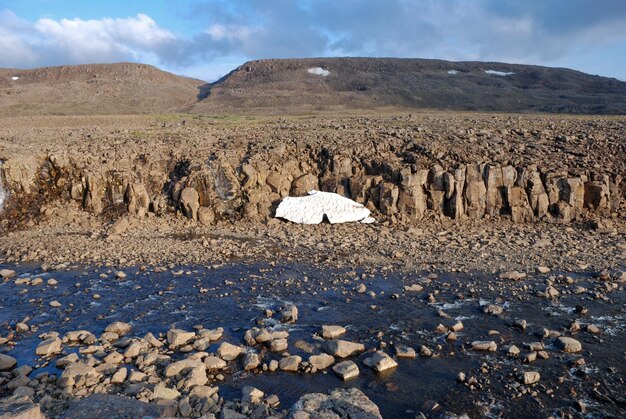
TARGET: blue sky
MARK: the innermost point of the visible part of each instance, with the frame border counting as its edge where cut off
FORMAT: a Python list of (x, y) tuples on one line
[(208, 38)]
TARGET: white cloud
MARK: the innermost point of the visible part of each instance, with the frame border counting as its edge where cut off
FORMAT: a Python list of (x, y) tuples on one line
[(77, 41)]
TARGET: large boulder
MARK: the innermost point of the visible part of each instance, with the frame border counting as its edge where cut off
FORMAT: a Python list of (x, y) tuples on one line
[(19, 407), (338, 403), (138, 199), (190, 202)]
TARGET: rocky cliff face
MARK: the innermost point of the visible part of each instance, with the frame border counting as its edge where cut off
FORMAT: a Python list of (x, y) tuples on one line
[(251, 187)]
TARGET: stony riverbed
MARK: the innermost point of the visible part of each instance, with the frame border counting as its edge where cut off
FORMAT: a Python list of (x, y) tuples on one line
[(248, 339)]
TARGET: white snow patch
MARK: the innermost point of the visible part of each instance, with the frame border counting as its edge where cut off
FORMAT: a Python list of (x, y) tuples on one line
[(15, 78), (319, 71), (499, 73), (453, 72), (312, 208)]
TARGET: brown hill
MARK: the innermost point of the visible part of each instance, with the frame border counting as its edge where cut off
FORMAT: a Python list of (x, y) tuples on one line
[(287, 86), (295, 86), (123, 88)]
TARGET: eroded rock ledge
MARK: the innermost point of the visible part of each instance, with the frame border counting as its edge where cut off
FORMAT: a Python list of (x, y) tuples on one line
[(250, 188)]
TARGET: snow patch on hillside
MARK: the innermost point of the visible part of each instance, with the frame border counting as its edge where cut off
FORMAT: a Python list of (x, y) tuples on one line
[(499, 73), (319, 71)]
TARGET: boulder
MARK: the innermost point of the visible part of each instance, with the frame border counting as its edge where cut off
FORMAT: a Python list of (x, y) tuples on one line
[(346, 370), (332, 331), (321, 361), (290, 363), (137, 199), (380, 362), (190, 202), (567, 344), (178, 337), (339, 403), (19, 407), (49, 347), (7, 362), (343, 348), (304, 184), (119, 328), (228, 351), (7, 273)]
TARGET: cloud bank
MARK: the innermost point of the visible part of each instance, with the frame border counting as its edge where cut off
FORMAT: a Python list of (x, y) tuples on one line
[(558, 32)]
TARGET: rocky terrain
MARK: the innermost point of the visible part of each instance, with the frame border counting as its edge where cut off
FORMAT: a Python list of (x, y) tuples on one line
[(239, 341), (143, 269), (99, 89)]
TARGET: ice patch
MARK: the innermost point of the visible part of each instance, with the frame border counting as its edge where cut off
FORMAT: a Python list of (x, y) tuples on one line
[(312, 208), (319, 71), (453, 72), (499, 73), (15, 78)]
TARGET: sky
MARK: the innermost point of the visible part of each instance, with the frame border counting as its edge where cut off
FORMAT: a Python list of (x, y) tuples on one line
[(206, 39)]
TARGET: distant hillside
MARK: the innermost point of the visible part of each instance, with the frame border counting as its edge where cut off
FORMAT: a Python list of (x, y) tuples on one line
[(310, 85), (122, 88), (302, 85)]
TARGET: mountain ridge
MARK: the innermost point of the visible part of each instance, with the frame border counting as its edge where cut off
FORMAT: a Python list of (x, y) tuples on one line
[(310, 85), (412, 83)]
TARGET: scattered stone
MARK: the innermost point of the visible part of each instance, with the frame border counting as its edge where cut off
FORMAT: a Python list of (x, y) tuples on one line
[(457, 327), (413, 288), (49, 347), (593, 329), (278, 345), (425, 352), (321, 361), (332, 332), (513, 350), (484, 345), (7, 273), (7, 362), (493, 309), (513, 275), (213, 363), (361, 288), (290, 363), (119, 328), (380, 362), (161, 391), (569, 344), (290, 314), (251, 395), (120, 376), (177, 338), (529, 377), (54, 304), (346, 370), (228, 352), (405, 352), (251, 361), (67, 360), (343, 348)]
